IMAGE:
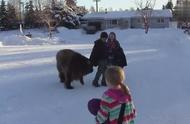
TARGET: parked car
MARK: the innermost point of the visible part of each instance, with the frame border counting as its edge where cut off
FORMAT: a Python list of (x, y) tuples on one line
[(90, 29)]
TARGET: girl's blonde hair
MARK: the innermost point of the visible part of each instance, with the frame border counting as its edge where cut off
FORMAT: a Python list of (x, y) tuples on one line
[(115, 75)]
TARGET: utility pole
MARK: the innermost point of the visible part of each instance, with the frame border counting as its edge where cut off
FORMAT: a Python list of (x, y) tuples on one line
[(21, 11), (21, 5), (96, 4)]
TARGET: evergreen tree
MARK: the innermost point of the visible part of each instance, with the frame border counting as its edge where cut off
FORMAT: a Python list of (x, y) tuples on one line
[(3, 15), (11, 17), (92, 9), (29, 15), (56, 11), (169, 5)]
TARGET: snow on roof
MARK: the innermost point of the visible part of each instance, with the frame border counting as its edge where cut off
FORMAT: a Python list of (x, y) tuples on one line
[(108, 15), (162, 13), (126, 14)]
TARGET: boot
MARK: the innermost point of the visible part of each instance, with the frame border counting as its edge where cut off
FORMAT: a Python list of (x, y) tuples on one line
[(103, 83), (95, 84)]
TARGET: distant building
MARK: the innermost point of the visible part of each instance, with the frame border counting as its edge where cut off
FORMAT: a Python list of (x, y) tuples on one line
[(124, 19)]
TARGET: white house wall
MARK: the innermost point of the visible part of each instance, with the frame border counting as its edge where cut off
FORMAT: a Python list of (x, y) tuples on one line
[(155, 23), (120, 23), (125, 23), (137, 23)]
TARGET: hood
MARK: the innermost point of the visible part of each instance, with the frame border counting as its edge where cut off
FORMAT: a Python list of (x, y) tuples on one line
[(118, 95)]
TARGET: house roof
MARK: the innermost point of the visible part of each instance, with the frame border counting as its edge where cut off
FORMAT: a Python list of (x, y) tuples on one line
[(126, 14)]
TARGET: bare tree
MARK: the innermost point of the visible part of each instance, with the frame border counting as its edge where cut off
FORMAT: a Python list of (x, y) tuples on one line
[(16, 5), (101, 9), (110, 9), (46, 17), (132, 9), (145, 8), (120, 9), (37, 4), (92, 10), (41, 4)]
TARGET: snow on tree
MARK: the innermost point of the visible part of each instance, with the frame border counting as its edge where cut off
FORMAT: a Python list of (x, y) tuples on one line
[(70, 3), (71, 14), (51, 13), (65, 14)]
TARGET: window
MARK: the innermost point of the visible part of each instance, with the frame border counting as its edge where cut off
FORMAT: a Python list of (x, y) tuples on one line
[(160, 20), (139, 20), (114, 22)]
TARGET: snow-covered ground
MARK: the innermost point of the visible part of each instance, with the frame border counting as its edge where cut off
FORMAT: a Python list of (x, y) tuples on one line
[(157, 74)]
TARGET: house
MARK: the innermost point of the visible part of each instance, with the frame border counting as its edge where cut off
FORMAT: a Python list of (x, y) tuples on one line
[(124, 19)]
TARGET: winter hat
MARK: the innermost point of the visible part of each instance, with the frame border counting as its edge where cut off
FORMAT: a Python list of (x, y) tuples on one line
[(103, 35), (94, 106)]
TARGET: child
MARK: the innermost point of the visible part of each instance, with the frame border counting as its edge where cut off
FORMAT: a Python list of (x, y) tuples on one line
[(116, 55), (99, 57), (116, 105)]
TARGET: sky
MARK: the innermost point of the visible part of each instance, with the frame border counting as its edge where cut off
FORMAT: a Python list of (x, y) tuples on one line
[(117, 4)]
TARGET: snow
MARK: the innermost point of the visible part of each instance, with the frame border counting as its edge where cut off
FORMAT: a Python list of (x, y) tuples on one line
[(157, 74), (1, 44)]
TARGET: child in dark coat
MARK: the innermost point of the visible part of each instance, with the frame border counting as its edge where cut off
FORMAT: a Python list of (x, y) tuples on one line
[(99, 57), (116, 55)]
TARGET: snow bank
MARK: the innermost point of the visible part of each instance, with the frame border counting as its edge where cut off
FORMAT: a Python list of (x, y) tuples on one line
[(1, 44), (157, 38), (39, 37), (24, 40)]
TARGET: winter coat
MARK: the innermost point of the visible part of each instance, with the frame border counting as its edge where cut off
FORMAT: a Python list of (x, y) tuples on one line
[(116, 54), (110, 107), (99, 52)]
